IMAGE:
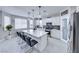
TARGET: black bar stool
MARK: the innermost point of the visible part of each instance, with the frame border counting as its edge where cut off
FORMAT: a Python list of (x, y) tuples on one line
[(31, 42)]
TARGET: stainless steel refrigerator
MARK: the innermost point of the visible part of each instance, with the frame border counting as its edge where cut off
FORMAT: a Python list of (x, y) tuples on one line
[(76, 33)]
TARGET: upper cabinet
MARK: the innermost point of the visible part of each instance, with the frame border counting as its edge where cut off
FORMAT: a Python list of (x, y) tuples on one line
[(54, 20)]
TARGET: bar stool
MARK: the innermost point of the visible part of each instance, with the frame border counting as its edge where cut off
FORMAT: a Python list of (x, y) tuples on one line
[(31, 43)]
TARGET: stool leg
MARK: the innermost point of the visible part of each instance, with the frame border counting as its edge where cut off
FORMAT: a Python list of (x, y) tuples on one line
[(36, 49), (30, 50)]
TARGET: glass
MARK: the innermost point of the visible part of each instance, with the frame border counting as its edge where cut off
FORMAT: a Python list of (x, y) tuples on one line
[(7, 21), (20, 23), (64, 29), (31, 23)]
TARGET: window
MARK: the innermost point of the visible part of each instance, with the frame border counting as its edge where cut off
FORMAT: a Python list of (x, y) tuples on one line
[(20, 23), (7, 21), (31, 23), (39, 22)]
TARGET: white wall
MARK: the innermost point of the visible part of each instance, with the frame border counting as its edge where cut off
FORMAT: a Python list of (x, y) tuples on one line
[(14, 11)]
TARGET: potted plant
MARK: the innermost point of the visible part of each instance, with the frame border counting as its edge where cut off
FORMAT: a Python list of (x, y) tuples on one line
[(8, 28)]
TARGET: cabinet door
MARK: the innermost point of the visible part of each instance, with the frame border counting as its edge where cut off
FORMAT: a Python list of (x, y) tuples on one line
[(43, 42)]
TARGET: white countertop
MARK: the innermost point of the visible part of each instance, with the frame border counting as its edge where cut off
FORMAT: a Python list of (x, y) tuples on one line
[(36, 33)]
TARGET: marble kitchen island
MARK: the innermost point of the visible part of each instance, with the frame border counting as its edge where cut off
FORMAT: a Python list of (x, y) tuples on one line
[(40, 36)]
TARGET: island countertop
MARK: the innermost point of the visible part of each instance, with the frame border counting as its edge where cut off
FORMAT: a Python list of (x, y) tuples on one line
[(40, 36), (36, 33)]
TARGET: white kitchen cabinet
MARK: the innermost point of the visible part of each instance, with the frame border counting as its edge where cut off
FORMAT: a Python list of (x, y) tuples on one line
[(56, 33), (54, 20)]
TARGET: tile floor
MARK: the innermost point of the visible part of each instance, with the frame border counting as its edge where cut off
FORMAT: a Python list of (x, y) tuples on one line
[(54, 46)]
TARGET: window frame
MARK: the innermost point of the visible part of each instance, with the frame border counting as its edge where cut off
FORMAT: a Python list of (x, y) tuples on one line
[(4, 27), (31, 26), (20, 19)]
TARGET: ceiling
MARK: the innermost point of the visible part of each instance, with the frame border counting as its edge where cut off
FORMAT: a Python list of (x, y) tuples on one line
[(45, 11)]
